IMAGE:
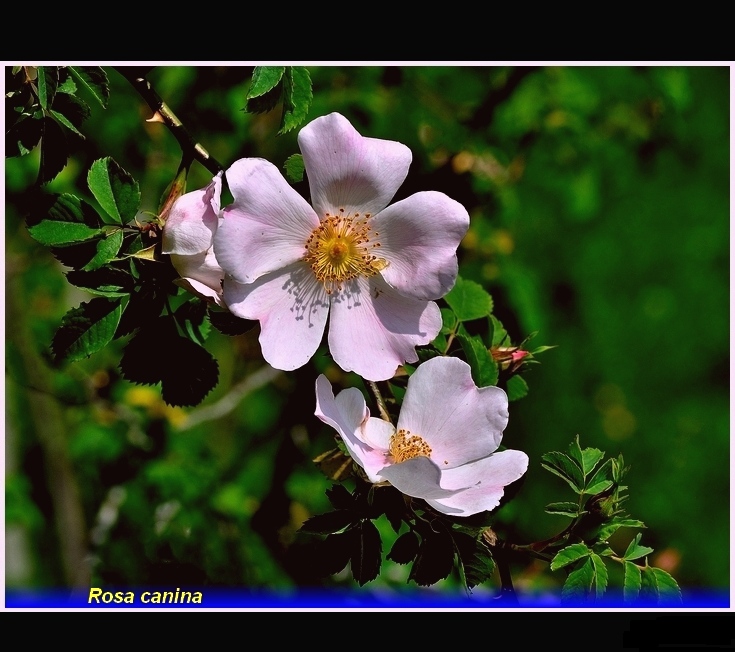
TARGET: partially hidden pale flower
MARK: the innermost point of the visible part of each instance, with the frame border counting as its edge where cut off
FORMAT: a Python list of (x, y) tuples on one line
[(443, 448), (188, 237), (373, 269)]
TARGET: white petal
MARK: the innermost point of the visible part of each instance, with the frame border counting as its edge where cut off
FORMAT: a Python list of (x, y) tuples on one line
[(348, 171), (460, 422), (419, 237), (267, 225), (346, 414), (192, 221), (373, 329), (292, 308), (418, 477), (486, 479)]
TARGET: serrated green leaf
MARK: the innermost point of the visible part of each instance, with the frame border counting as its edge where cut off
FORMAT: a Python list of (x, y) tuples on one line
[(449, 321), (94, 79), (568, 555), (61, 118), (469, 300), (367, 553), (115, 190), (54, 150), (631, 582), (339, 497), (73, 110), (22, 137), (668, 589), (475, 560), (106, 281), (48, 80), (635, 550), (484, 368), (329, 523), (294, 167), (601, 478), (297, 97), (563, 509), (435, 559), (108, 247), (516, 388), (499, 334), (562, 465), (577, 586), (404, 549), (265, 78), (575, 452), (600, 575), (69, 220), (606, 531), (86, 329), (67, 86), (590, 459)]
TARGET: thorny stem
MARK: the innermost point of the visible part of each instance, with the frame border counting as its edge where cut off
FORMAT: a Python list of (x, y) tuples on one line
[(507, 592), (162, 113), (381, 403)]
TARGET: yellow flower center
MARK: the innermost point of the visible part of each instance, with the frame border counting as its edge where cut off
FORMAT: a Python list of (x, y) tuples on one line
[(405, 446), (339, 249)]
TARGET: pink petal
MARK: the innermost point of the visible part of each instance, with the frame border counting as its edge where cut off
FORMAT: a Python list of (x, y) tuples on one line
[(202, 267), (348, 171), (418, 477), (443, 405), (419, 237), (201, 290), (292, 308), (267, 225), (377, 433), (192, 221), (373, 329), (486, 479), (346, 414)]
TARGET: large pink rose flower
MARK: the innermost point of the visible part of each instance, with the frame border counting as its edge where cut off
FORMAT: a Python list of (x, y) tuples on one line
[(444, 446), (188, 236), (374, 269)]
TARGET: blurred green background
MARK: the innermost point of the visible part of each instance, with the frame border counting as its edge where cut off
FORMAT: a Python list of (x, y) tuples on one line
[(599, 203)]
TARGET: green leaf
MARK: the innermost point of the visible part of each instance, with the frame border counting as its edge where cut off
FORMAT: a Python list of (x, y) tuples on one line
[(635, 550), (94, 79), (23, 136), (516, 388), (475, 560), (484, 368), (62, 119), (563, 466), (631, 582), (601, 480), (297, 97), (69, 220), (563, 509), (48, 80), (54, 150), (568, 555), (265, 78), (339, 497), (449, 321), (600, 575), (294, 167), (330, 522), (590, 458), (499, 334), (575, 452), (115, 190), (71, 111), (228, 324), (577, 586), (86, 329), (469, 300), (435, 559), (366, 554), (668, 589), (107, 281), (606, 531), (405, 548), (107, 249)]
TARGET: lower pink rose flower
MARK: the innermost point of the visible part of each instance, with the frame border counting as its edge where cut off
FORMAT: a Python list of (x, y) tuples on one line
[(444, 446)]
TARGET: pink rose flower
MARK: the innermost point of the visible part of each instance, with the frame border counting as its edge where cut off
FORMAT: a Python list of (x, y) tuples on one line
[(188, 236), (444, 446), (373, 269)]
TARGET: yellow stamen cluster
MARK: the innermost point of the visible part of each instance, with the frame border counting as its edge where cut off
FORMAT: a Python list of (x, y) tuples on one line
[(339, 249), (405, 446)]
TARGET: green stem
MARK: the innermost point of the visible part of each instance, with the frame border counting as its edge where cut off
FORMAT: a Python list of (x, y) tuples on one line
[(167, 116)]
